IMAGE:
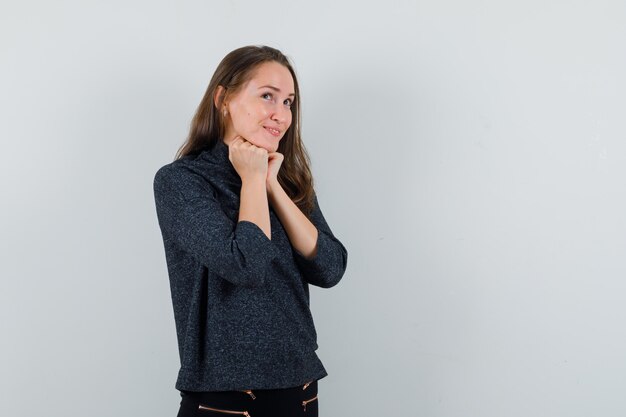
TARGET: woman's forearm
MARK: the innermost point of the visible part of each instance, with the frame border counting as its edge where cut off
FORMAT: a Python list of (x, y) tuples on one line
[(254, 205), (302, 233)]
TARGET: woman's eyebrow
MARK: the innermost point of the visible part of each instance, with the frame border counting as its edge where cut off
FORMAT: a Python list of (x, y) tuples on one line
[(274, 88)]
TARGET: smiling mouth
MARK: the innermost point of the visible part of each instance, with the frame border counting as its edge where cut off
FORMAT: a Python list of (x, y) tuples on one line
[(273, 132)]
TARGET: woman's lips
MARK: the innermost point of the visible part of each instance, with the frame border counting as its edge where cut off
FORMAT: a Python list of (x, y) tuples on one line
[(273, 132)]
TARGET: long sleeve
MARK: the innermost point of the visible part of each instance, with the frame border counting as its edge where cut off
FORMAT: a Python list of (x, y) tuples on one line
[(190, 215), (328, 265)]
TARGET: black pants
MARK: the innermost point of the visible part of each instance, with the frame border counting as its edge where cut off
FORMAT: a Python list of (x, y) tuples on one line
[(286, 402)]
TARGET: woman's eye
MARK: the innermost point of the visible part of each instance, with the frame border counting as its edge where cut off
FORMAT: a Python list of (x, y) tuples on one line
[(270, 95)]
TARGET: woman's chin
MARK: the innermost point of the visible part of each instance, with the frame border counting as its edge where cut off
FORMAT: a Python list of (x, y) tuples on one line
[(268, 146)]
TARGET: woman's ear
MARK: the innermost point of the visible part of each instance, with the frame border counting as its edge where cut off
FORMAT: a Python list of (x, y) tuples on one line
[(218, 99)]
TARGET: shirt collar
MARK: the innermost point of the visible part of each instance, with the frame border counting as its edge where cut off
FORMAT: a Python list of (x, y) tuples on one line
[(218, 155), (220, 151)]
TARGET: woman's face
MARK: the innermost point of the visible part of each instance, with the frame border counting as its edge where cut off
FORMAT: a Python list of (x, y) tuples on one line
[(261, 111)]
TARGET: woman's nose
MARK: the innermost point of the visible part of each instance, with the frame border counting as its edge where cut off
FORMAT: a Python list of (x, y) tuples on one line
[(280, 113)]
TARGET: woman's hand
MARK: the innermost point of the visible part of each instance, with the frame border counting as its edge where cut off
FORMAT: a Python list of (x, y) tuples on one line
[(249, 161)]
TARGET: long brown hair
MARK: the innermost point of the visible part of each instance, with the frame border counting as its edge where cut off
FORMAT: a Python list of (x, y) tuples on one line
[(207, 125)]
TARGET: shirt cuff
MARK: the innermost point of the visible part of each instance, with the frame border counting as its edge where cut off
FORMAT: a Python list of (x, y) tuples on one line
[(326, 267), (259, 250)]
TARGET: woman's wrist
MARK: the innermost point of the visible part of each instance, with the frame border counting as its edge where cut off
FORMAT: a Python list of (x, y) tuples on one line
[(253, 181), (272, 185)]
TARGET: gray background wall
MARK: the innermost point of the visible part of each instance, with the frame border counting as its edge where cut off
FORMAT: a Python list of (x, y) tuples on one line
[(470, 155)]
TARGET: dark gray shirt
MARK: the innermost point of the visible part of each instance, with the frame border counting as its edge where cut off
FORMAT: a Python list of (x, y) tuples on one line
[(241, 300)]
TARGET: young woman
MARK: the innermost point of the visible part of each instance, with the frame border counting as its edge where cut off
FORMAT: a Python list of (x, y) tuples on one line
[(244, 238)]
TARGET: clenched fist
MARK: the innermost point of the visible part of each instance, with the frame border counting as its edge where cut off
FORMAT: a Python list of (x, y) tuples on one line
[(250, 161)]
